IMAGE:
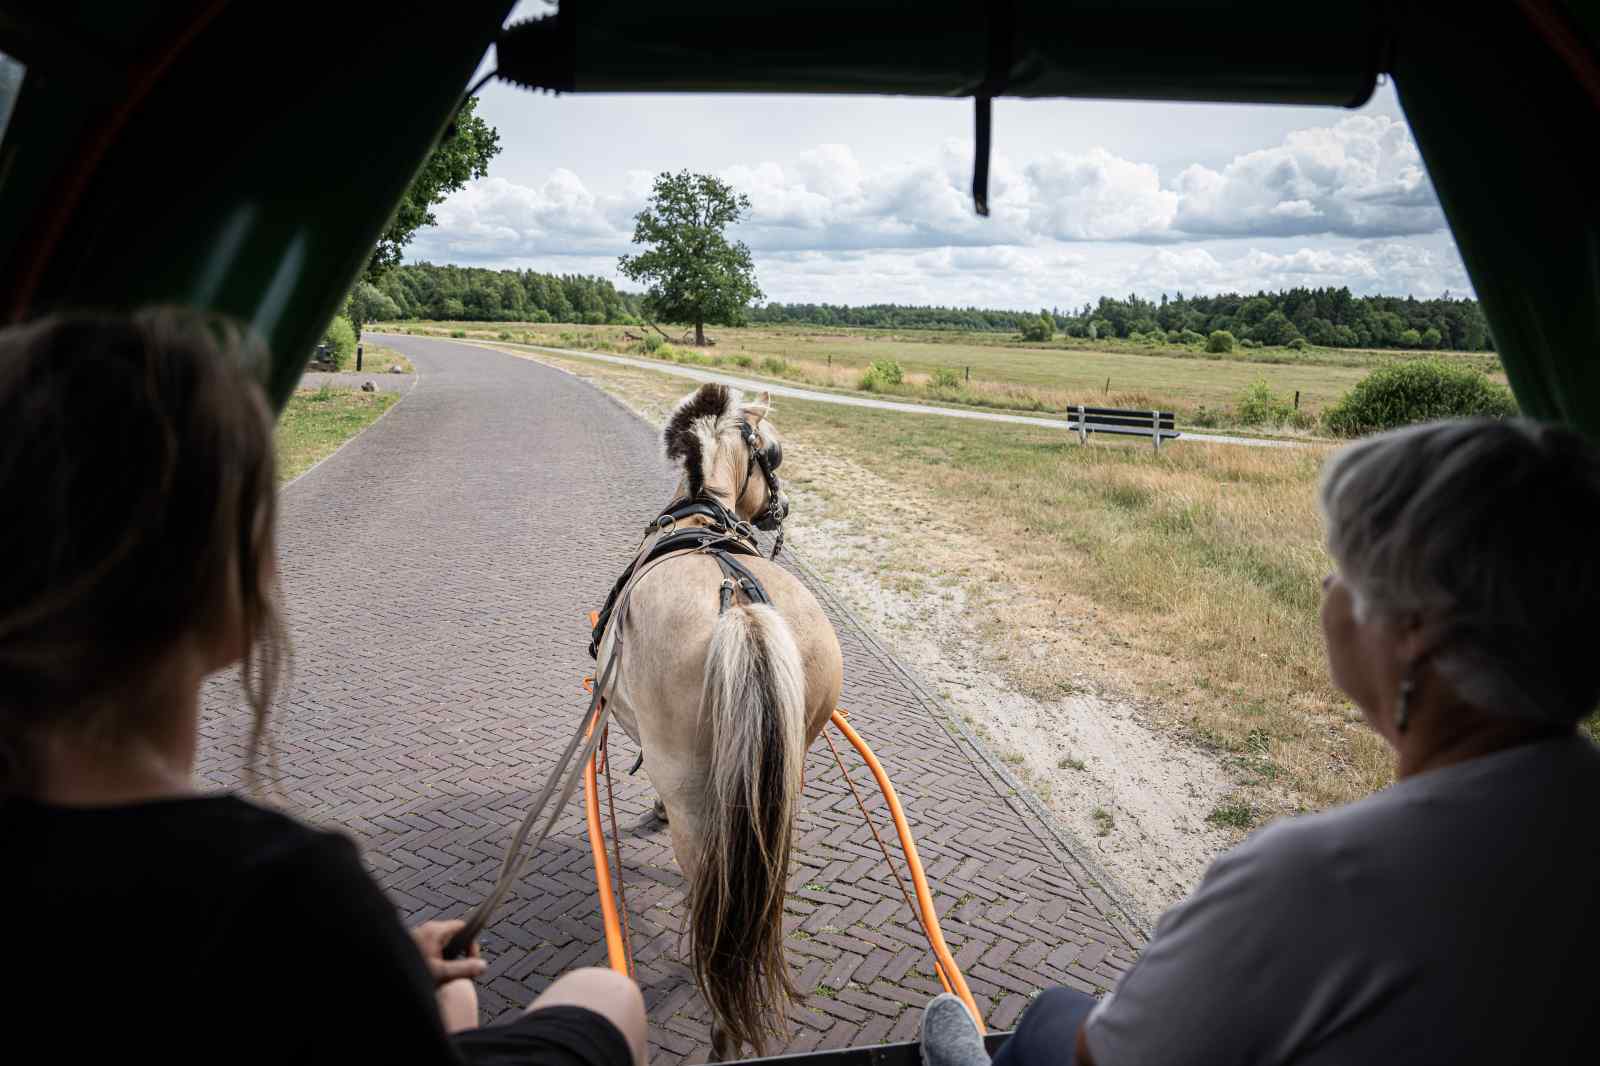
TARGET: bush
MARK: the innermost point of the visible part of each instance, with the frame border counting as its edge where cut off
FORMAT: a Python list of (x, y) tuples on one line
[(945, 378), (1249, 342), (743, 360), (594, 318), (504, 335), (663, 350), (1410, 338), (1419, 390), (1260, 406), (775, 366), (652, 343), (539, 314), (341, 341), (882, 374), (458, 333), (1299, 344), (1189, 336), (1219, 341), (1042, 328)]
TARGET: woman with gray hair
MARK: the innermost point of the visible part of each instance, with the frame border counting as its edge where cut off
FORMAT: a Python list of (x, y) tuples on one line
[(1449, 918)]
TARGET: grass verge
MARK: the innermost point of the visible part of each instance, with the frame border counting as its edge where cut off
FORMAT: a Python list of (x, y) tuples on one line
[(377, 359), (315, 422)]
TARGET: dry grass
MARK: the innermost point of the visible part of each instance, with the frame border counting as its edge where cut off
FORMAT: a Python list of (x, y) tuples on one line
[(1007, 375), (1188, 580), (377, 359)]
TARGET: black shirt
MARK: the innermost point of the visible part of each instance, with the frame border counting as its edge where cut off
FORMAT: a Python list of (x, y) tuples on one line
[(205, 930)]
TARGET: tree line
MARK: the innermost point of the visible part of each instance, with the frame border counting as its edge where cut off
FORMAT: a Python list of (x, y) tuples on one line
[(1329, 317), (478, 294)]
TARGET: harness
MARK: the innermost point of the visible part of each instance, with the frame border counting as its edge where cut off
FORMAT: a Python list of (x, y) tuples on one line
[(725, 536)]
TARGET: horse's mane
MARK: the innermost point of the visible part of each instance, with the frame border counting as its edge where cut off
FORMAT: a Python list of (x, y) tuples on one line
[(694, 424)]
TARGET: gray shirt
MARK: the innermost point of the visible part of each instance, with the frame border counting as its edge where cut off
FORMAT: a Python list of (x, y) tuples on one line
[(1450, 918)]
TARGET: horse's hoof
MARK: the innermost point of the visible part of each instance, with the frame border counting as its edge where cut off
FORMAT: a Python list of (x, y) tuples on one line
[(660, 811)]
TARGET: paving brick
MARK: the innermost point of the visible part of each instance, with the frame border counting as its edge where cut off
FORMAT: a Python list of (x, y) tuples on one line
[(436, 573)]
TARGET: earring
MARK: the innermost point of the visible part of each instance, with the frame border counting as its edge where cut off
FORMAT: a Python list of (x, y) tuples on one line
[(1402, 714)]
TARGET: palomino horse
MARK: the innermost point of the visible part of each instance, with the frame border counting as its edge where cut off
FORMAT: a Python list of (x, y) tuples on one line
[(724, 694)]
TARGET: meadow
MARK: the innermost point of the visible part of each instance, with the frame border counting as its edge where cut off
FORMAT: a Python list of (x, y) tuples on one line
[(316, 421), (998, 371)]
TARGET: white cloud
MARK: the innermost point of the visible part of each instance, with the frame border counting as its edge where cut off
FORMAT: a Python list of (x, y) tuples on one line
[(1361, 177), (1067, 225)]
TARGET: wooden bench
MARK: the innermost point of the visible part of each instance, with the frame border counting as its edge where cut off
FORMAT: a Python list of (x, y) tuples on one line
[(1157, 425)]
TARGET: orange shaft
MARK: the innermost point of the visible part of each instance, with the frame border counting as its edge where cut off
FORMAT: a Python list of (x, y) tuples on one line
[(930, 918), (616, 954)]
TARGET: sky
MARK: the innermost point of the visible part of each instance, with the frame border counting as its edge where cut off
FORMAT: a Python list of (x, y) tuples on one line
[(867, 199)]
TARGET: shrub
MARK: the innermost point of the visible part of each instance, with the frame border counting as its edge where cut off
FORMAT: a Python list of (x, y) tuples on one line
[(1410, 338), (653, 343), (1219, 341), (1174, 337), (945, 378), (1418, 390), (1299, 344), (1042, 328), (743, 360), (882, 374), (458, 333), (341, 341), (1260, 406), (664, 350), (594, 318), (1249, 342), (1189, 336), (539, 314), (504, 335), (775, 366)]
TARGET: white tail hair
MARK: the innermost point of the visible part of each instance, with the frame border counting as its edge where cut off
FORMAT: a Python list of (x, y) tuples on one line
[(754, 704)]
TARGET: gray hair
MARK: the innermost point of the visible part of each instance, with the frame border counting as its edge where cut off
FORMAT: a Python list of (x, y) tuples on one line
[(1486, 531)]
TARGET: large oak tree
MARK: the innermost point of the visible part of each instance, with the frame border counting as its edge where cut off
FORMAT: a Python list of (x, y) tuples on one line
[(694, 273)]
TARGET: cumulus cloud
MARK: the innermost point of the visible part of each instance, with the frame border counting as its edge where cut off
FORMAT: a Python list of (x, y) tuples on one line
[(831, 224), (1362, 177)]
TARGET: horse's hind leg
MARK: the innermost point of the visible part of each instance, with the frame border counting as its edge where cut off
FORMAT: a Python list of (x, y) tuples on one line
[(660, 811)]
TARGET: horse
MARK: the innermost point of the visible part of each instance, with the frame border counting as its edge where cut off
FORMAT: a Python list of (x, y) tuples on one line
[(724, 694)]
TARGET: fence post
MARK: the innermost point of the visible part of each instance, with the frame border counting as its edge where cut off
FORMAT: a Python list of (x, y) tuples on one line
[(1155, 421), (969, 373), (358, 359), (1108, 386), (1297, 399), (1083, 430)]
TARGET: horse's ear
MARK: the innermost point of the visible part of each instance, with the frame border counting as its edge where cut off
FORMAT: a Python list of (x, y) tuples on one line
[(755, 411)]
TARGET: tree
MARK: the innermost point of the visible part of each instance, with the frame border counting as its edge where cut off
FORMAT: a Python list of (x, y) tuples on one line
[(461, 155), (694, 274), (1219, 341), (367, 303)]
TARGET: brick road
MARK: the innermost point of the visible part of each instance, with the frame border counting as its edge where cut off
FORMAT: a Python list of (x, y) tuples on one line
[(437, 571)]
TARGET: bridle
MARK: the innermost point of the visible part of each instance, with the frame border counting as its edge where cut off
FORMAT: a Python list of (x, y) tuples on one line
[(768, 457)]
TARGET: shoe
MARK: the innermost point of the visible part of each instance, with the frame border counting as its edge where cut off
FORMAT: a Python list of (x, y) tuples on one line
[(949, 1035)]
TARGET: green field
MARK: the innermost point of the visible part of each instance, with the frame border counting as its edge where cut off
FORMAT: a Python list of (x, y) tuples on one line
[(994, 370), (315, 422)]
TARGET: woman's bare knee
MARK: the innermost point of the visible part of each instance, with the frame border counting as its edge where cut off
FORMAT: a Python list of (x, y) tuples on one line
[(610, 995)]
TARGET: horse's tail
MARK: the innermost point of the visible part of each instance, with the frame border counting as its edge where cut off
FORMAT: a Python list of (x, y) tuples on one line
[(754, 704)]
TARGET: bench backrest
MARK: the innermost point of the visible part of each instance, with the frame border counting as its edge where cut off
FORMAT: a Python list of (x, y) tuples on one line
[(1112, 417)]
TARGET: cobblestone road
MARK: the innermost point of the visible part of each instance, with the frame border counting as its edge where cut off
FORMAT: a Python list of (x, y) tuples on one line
[(437, 572)]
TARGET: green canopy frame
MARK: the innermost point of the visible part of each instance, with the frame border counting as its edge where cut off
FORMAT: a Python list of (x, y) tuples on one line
[(244, 157)]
